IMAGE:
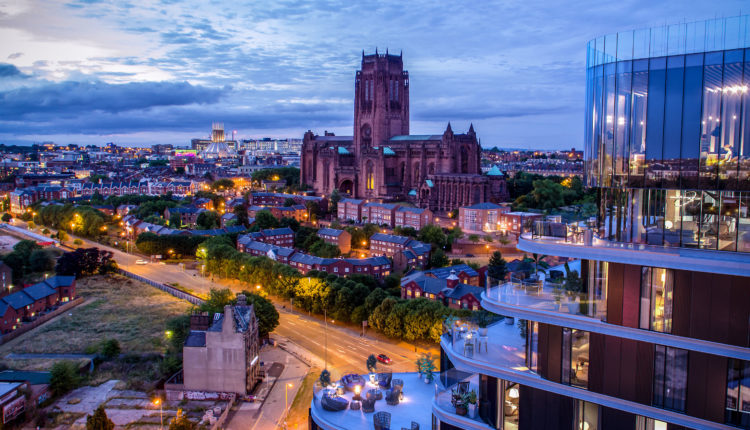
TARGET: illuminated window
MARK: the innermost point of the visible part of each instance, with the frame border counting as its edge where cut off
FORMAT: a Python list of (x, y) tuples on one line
[(656, 299), (738, 393)]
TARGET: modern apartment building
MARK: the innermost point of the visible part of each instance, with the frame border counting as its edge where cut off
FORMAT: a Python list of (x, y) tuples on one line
[(655, 335)]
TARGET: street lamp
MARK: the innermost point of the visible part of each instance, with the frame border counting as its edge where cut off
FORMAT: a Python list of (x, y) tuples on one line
[(157, 402), (325, 318), (286, 400)]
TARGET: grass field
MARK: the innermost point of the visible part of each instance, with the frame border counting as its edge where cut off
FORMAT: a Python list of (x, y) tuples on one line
[(116, 307), (298, 413)]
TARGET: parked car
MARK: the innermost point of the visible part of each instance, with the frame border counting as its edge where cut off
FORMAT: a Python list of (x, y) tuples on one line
[(141, 262), (384, 359)]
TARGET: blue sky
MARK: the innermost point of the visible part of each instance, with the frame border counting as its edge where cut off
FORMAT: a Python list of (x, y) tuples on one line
[(144, 72)]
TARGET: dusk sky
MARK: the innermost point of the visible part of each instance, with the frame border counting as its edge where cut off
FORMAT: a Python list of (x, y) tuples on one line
[(138, 73)]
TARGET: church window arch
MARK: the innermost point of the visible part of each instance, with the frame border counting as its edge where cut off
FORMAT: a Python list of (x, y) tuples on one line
[(370, 175)]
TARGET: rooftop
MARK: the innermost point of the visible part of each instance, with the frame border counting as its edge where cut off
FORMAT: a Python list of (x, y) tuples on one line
[(416, 137), (414, 407)]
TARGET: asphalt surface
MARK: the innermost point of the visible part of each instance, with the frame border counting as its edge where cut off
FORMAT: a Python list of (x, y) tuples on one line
[(347, 351)]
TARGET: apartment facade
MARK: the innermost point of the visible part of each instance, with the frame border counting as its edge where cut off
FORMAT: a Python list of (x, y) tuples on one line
[(655, 333), (481, 217)]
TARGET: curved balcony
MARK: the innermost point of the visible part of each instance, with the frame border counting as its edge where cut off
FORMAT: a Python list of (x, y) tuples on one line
[(526, 377), (584, 245), (502, 345), (549, 304), (444, 409)]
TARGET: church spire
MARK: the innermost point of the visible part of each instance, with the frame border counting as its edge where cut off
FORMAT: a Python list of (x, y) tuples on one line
[(449, 129), (471, 128)]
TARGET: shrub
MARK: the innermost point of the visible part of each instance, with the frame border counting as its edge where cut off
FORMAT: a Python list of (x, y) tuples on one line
[(110, 349), (64, 377)]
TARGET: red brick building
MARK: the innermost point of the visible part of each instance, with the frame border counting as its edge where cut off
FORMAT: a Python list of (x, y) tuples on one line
[(350, 210), (481, 217), (449, 291), (379, 213), (383, 161), (275, 236), (26, 304), (415, 218), (340, 238)]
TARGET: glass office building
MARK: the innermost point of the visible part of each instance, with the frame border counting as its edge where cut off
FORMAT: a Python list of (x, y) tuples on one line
[(667, 134)]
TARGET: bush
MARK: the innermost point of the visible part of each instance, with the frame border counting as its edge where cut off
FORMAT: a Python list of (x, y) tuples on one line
[(7, 217), (110, 349), (99, 421), (77, 242), (64, 377)]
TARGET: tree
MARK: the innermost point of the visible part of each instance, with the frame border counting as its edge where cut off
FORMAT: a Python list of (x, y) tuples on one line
[(222, 184), (333, 206), (265, 312), (474, 238), (41, 260), (24, 249), (31, 225), (175, 221), (438, 259), (497, 268), (217, 299), (289, 202), (325, 378), (110, 349), (208, 220), (85, 262), (63, 377), (241, 212), (7, 217), (432, 234), (177, 331), (264, 219), (181, 422), (99, 421), (371, 363), (62, 236), (77, 242)]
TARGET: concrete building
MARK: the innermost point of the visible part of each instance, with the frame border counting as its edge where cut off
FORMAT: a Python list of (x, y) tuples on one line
[(481, 217), (223, 357)]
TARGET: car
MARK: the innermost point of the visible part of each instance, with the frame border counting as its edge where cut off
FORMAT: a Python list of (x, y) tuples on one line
[(141, 262), (384, 359)]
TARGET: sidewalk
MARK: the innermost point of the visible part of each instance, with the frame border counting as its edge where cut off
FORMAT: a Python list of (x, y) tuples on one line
[(268, 411)]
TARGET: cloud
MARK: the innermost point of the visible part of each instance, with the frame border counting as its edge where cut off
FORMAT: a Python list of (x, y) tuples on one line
[(15, 55), (78, 98), (9, 71)]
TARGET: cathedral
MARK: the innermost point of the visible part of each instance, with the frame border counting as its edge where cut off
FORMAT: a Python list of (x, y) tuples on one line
[(382, 161)]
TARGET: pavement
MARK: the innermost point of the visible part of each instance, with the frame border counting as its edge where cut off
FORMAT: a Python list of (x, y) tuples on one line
[(267, 413)]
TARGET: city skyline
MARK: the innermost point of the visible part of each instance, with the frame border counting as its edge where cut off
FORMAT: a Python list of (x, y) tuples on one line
[(88, 72)]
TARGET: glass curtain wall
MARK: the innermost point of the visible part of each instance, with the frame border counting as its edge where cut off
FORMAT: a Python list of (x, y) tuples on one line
[(668, 134)]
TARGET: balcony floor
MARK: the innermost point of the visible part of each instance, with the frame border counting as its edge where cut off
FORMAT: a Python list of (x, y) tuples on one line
[(504, 347)]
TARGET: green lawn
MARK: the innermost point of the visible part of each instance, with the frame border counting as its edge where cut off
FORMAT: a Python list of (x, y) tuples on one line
[(116, 307)]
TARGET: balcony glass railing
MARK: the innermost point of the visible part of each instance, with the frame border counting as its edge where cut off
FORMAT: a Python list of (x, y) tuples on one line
[(502, 343), (550, 296), (455, 400)]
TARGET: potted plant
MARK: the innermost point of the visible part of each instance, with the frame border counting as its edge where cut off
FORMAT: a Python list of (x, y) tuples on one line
[(471, 400), (459, 402), (427, 367), (325, 378), (483, 319), (371, 364)]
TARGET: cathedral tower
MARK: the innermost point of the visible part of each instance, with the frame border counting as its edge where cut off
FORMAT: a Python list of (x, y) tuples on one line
[(381, 100)]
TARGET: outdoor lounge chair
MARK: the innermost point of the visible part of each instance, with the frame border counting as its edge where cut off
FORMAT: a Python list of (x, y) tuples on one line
[(352, 380), (368, 404), (333, 403), (382, 420), (384, 379), (393, 396)]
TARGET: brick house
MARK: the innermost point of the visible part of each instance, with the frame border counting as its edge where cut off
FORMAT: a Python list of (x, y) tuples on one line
[(188, 215), (449, 291), (379, 213), (340, 238), (350, 210), (415, 218), (405, 251)]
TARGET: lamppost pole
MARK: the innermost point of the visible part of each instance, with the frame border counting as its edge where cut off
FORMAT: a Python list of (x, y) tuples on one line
[(325, 317), (286, 401)]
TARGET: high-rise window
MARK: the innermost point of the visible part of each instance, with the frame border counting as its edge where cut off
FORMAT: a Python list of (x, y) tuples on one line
[(738, 393), (656, 299), (670, 377), (575, 357), (644, 423), (532, 346), (587, 416)]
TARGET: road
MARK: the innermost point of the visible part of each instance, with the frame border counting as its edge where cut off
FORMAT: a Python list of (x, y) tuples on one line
[(347, 351)]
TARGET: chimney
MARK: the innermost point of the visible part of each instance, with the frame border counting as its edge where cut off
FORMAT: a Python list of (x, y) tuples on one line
[(241, 300), (228, 324), (199, 321), (452, 280)]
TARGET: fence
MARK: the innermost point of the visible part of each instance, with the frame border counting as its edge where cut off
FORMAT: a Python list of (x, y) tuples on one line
[(197, 301), (41, 320)]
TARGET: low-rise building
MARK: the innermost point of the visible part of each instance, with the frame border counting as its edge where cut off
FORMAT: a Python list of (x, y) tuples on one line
[(518, 222), (481, 217), (222, 355), (253, 247), (379, 213), (275, 236), (449, 291), (340, 238), (415, 218), (297, 212), (12, 400), (27, 303), (188, 215), (405, 251), (350, 210)]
